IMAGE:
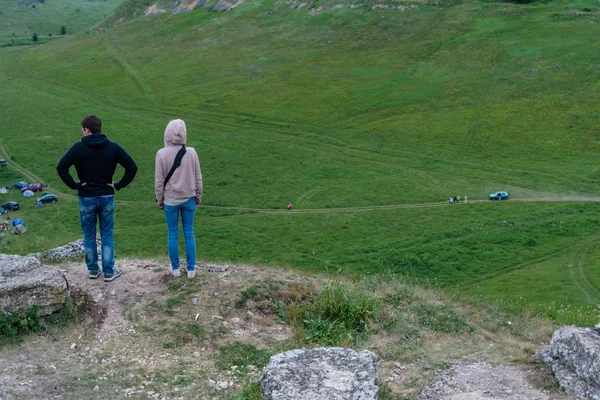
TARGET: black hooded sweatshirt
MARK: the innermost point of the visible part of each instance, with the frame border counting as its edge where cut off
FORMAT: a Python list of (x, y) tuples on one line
[(95, 158)]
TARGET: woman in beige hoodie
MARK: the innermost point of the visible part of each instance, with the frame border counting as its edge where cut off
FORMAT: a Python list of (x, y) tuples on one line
[(180, 195)]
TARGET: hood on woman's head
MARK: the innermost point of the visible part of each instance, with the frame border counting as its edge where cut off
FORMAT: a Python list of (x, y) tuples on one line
[(175, 134)]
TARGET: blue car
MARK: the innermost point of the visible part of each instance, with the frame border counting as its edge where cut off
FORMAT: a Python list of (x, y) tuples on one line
[(499, 196), (19, 185)]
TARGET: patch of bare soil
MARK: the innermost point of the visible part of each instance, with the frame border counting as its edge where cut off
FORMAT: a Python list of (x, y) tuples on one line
[(482, 381)]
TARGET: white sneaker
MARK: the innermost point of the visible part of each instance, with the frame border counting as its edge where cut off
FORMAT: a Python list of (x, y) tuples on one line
[(191, 274), (176, 272)]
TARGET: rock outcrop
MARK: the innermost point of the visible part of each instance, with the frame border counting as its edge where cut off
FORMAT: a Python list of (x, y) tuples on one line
[(68, 251), (574, 356), (25, 282), (321, 374)]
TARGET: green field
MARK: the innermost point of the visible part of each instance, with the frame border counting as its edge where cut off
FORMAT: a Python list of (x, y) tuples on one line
[(366, 120), (20, 19)]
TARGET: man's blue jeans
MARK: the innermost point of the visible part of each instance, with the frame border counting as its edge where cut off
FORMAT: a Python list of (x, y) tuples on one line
[(186, 210), (91, 210)]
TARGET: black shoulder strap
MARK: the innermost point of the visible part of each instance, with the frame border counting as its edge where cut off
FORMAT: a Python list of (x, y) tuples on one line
[(176, 164)]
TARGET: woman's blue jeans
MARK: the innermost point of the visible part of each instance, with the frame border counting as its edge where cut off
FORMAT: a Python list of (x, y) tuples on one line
[(186, 210)]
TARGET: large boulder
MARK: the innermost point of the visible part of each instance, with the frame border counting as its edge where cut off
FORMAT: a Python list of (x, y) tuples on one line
[(25, 282), (574, 356), (321, 374)]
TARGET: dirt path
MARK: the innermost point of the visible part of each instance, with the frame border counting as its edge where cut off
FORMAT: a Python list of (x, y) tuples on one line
[(482, 381)]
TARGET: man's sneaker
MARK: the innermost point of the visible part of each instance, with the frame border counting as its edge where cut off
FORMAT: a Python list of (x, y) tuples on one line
[(109, 278), (176, 272), (95, 274), (191, 274)]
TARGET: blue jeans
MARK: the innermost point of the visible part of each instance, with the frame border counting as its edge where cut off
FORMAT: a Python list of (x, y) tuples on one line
[(186, 210), (91, 210)]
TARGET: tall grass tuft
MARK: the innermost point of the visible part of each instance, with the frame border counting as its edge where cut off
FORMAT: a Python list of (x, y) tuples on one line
[(339, 314)]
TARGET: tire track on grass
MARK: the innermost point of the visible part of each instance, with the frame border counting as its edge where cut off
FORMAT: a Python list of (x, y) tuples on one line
[(514, 267), (580, 279), (128, 69), (335, 151)]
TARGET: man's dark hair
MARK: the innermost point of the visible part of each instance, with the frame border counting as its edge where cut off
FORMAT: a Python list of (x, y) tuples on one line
[(93, 123)]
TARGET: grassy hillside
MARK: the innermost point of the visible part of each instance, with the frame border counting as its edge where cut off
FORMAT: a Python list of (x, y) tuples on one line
[(20, 19), (366, 120)]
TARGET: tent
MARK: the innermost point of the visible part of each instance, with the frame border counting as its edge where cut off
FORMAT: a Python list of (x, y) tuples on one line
[(19, 230), (28, 193)]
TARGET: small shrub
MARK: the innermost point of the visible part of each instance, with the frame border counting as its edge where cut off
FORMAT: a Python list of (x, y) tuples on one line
[(262, 291), (327, 333), (339, 314), (20, 323)]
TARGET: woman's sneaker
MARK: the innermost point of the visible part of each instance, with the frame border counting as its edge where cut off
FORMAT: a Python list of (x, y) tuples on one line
[(191, 274), (176, 272), (109, 278)]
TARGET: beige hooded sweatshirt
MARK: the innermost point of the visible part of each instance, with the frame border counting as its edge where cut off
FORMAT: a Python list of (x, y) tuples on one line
[(186, 181)]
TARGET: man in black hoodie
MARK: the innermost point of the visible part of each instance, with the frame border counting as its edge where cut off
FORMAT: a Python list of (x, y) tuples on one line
[(95, 159)]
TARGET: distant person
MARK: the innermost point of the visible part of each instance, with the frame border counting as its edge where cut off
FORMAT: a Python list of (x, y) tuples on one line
[(466, 198), (289, 206), (449, 200), (458, 198), (95, 159), (178, 187)]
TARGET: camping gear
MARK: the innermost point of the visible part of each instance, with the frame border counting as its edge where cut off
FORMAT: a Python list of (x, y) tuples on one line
[(28, 193), (19, 230), (18, 221)]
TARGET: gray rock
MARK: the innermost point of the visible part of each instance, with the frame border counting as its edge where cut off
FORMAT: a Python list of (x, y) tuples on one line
[(321, 374), (218, 268), (222, 5), (25, 282), (574, 356), (182, 7), (69, 251)]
